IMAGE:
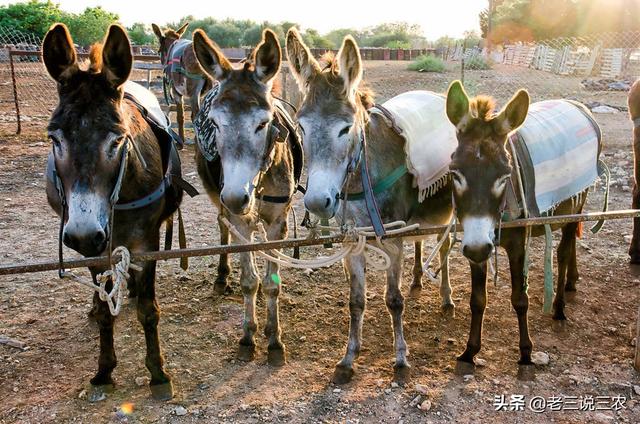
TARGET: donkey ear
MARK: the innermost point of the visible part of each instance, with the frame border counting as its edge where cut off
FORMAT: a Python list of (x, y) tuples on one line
[(350, 64), (58, 52), (268, 56), (514, 113), (457, 103), (117, 59), (211, 59), (302, 63), (157, 31), (182, 29)]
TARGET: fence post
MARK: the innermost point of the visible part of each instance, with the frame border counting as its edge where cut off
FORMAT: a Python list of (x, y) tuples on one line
[(15, 91)]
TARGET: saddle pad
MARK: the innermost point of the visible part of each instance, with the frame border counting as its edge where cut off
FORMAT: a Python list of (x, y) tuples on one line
[(430, 139), (174, 56), (561, 142), (149, 102)]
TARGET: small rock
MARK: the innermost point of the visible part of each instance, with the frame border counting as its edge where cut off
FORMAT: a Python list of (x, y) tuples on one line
[(387, 391), (337, 390), (627, 238), (422, 389), (426, 405), (180, 410), (141, 381), (394, 385), (468, 377), (540, 358), (636, 390), (451, 341), (307, 272), (481, 362), (82, 394), (416, 401)]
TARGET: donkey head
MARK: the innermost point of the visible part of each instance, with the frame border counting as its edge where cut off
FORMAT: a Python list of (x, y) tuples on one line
[(167, 38), (332, 117), (480, 166), (87, 130), (242, 113)]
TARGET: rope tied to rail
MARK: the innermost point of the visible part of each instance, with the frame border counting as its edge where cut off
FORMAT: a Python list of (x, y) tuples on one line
[(118, 275), (354, 243)]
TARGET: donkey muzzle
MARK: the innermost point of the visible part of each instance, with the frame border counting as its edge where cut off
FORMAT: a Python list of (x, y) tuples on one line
[(478, 238)]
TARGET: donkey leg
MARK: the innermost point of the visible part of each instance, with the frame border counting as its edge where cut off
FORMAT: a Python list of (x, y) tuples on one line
[(271, 286), (563, 255), (180, 116), (634, 246), (221, 285), (103, 381), (478, 303), (149, 315), (355, 272), (448, 307), (395, 305), (416, 285), (520, 301), (572, 272), (249, 285)]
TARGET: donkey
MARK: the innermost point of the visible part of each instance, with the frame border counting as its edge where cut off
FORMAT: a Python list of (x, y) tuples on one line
[(91, 130), (332, 117), (253, 178), (634, 112), (182, 74), (481, 167)]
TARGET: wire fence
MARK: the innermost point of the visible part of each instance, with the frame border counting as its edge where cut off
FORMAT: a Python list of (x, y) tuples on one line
[(585, 68)]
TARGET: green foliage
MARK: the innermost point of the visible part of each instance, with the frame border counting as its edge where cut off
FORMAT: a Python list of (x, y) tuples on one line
[(140, 34), (427, 63), (478, 63), (33, 16), (315, 40), (90, 26)]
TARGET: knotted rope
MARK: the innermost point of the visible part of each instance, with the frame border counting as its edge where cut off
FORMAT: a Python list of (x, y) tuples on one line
[(119, 274), (355, 243)]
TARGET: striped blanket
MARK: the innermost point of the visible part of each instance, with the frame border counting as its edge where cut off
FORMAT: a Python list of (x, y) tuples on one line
[(430, 138), (558, 148)]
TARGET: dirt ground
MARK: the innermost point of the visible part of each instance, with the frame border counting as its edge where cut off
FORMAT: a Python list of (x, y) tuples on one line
[(199, 330)]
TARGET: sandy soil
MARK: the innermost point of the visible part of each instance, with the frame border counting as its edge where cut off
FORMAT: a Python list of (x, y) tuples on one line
[(199, 330)]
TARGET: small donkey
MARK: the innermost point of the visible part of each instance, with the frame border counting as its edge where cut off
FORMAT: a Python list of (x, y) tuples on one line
[(92, 130), (252, 177), (182, 76)]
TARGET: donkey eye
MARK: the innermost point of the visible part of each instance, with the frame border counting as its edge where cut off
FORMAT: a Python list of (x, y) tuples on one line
[(344, 131), (261, 126)]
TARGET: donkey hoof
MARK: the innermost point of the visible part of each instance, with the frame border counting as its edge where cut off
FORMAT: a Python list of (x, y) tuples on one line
[(570, 296), (221, 288), (162, 391), (342, 374), (448, 311), (415, 291), (526, 372), (401, 374), (559, 325), (277, 357), (465, 368), (97, 393), (246, 353)]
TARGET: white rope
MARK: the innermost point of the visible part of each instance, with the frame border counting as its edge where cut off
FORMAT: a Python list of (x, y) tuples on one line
[(119, 274), (433, 276), (375, 257)]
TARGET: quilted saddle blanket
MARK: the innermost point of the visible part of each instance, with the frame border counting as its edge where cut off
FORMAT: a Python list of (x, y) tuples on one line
[(430, 138)]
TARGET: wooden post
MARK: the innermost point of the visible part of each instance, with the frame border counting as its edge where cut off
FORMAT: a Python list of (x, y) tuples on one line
[(636, 362), (15, 92)]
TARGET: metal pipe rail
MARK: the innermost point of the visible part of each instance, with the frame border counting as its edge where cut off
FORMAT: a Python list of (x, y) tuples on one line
[(164, 255)]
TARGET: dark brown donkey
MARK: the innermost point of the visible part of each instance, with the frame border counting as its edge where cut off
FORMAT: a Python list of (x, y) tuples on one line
[(481, 167), (182, 76), (91, 131), (634, 111)]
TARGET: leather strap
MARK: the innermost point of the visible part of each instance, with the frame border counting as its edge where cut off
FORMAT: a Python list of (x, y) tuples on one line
[(369, 198), (384, 184)]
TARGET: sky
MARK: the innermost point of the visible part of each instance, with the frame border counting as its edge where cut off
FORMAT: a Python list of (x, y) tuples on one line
[(436, 17)]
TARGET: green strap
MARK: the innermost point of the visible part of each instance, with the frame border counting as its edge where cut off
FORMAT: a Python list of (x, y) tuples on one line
[(548, 269), (181, 70), (385, 184), (603, 169)]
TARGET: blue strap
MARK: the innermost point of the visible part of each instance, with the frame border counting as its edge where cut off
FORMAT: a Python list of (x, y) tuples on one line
[(369, 198)]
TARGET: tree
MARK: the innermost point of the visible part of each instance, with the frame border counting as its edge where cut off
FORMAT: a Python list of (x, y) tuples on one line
[(34, 16), (139, 34), (91, 25)]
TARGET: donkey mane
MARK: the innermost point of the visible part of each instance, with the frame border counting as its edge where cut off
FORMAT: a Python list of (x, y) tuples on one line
[(95, 58), (482, 107), (329, 64)]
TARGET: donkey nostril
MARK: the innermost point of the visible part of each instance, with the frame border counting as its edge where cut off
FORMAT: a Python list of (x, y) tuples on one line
[(66, 239), (99, 238), (327, 203), (245, 199)]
